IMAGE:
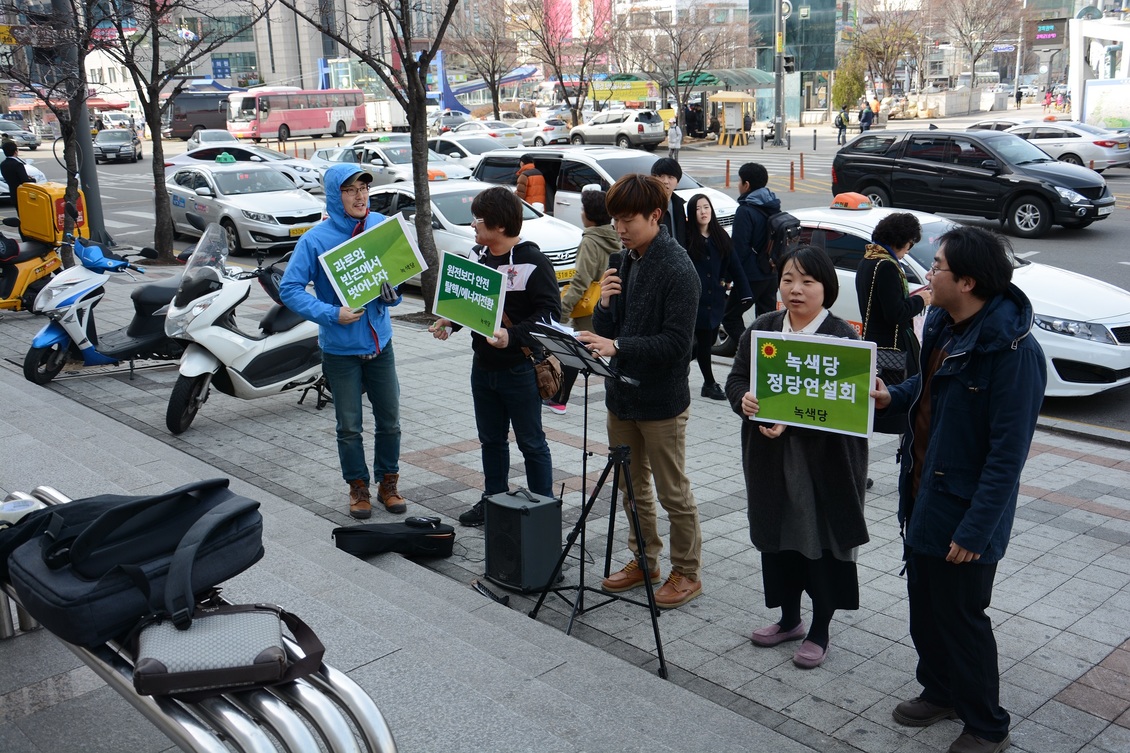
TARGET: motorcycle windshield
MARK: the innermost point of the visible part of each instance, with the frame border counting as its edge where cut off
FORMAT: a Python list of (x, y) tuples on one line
[(206, 268)]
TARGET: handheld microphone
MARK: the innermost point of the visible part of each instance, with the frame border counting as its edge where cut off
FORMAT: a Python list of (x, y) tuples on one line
[(615, 261)]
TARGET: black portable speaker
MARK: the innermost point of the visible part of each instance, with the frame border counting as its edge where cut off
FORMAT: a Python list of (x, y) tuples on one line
[(523, 539)]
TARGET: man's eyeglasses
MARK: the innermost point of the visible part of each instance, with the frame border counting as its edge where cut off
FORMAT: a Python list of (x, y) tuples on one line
[(476, 221), (357, 190), (934, 269)]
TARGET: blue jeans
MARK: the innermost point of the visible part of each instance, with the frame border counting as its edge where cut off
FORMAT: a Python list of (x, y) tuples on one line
[(502, 399), (348, 377)]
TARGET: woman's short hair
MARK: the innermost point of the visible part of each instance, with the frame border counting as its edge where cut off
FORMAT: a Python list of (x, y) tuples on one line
[(636, 194), (594, 206), (498, 207), (815, 263), (896, 230)]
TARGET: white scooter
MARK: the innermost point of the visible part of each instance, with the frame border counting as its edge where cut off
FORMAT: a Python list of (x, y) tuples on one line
[(283, 355), (69, 300)]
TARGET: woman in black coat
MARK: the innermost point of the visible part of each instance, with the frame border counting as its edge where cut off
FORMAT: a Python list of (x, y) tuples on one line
[(711, 251), (885, 302)]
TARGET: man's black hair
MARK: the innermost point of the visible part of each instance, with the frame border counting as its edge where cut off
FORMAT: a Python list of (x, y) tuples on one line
[(981, 256), (667, 166), (9, 148), (498, 207), (754, 174), (526, 159)]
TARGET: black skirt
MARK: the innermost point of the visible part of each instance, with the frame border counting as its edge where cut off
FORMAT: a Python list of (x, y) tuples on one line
[(829, 581)]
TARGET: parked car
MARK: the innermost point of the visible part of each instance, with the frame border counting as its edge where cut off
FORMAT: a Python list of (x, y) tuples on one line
[(24, 138), (115, 144), (997, 124), (1078, 143), (388, 162), (978, 173), (365, 138), (568, 170), (442, 121), (1082, 324), (33, 172), (451, 222), (464, 149), (507, 135), (624, 128), (256, 205), (302, 173), (1029, 90), (209, 137), (538, 132)]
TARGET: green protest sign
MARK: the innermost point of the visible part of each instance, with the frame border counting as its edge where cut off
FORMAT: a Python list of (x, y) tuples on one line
[(470, 294), (812, 381), (383, 253)]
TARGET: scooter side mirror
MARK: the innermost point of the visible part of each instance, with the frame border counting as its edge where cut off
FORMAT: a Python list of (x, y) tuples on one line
[(196, 221), (12, 221)]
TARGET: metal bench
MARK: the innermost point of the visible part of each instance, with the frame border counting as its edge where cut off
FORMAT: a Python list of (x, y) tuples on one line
[(326, 711)]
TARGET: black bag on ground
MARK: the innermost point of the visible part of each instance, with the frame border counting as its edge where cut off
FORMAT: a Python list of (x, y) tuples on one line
[(89, 578), (411, 541)]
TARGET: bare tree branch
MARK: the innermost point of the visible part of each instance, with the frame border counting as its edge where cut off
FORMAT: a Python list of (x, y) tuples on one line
[(562, 49), (886, 38), (977, 25), (358, 31), (481, 33)]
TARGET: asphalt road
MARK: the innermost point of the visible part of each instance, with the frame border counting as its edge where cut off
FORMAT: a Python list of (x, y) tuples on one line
[(1096, 251)]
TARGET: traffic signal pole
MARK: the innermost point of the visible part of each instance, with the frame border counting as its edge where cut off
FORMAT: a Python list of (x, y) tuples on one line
[(779, 73), (88, 173)]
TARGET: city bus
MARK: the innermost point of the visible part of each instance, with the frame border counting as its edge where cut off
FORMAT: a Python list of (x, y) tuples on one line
[(283, 111), (190, 112)]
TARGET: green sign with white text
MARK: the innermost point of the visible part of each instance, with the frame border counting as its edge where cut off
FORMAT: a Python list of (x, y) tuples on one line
[(470, 294), (812, 381), (383, 253)]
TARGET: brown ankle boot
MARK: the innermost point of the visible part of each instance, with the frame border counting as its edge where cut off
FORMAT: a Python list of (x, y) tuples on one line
[(388, 494), (359, 505)]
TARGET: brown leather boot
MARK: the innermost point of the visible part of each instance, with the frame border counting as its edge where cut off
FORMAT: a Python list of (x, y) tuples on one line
[(359, 505), (388, 494)]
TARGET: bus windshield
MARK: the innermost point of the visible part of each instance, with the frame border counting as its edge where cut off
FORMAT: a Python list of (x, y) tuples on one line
[(243, 109)]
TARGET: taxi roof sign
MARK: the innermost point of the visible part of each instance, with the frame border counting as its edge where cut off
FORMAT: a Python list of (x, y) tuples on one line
[(223, 158), (851, 200)]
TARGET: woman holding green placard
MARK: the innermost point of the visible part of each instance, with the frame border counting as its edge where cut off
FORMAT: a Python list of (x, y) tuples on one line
[(804, 487)]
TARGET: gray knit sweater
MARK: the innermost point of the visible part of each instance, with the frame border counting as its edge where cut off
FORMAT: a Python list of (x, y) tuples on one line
[(657, 311)]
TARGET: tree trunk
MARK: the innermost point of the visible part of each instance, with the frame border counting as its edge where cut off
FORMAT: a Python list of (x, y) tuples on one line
[(417, 112), (163, 223)]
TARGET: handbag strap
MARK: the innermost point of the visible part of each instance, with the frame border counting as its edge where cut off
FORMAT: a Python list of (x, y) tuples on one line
[(61, 549), (870, 295), (179, 597), (507, 323)]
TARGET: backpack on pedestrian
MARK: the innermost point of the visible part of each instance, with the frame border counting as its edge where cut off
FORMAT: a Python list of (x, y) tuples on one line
[(782, 233), (839, 121)]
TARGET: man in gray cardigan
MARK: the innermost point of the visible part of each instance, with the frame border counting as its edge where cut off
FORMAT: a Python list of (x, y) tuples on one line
[(645, 324)]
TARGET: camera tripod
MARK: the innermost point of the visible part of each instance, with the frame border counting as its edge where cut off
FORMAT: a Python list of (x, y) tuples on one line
[(619, 463)]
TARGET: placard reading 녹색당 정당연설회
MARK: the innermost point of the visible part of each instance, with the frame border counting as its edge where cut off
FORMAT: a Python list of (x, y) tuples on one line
[(470, 294), (812, 381), (383, 253)]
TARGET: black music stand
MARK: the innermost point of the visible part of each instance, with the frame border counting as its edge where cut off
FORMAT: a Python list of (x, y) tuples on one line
[(572, 352)]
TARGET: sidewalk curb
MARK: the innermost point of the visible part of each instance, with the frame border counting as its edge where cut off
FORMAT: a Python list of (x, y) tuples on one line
[(1069, 428)]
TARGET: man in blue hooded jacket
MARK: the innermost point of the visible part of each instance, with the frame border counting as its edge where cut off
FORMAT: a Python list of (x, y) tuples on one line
[(356, 343), (972, 414), (751, 236)]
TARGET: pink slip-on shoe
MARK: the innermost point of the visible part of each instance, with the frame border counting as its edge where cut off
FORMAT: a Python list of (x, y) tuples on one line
[(771, 635), (809, 655)]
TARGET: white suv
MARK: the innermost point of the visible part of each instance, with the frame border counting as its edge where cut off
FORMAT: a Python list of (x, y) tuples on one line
[(568, 170), (624, 128)]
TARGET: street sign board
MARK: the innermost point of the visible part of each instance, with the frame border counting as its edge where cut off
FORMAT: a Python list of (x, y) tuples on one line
[(1004, 48)]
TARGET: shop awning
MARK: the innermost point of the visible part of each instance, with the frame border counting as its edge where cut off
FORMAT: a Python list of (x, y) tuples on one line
[(97, 103), (732, 78)]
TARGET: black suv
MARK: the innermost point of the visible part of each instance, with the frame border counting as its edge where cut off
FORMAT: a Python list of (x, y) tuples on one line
[(980, 173)]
